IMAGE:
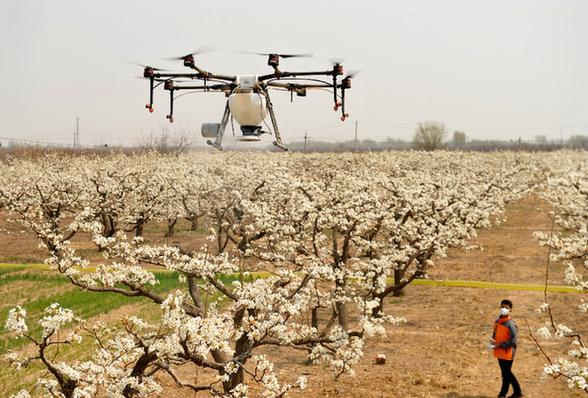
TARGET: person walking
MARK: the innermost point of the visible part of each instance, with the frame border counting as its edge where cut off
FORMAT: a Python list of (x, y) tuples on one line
[(504, 342)]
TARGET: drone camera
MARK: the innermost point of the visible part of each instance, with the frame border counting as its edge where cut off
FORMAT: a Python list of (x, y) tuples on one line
[(273, 60), (338, 69), (168, 85)]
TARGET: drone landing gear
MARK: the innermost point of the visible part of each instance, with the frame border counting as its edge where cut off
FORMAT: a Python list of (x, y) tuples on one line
[(270, 108), (221, 130)]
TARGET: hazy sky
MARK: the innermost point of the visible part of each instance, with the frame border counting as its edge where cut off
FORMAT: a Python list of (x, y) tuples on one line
[(499, 69)]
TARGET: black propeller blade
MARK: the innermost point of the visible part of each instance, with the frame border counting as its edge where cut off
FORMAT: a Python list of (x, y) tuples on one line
[(147, 66), (352, 73), (200, 50), (280, 55), (336, 61)]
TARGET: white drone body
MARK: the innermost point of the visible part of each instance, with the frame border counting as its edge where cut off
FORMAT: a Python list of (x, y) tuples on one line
[(247, 105)]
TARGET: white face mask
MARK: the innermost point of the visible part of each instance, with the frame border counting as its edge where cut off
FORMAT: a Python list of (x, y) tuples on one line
[(504, 311)]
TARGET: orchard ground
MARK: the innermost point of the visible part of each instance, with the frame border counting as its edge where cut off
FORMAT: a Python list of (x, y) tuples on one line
[(441, 350)]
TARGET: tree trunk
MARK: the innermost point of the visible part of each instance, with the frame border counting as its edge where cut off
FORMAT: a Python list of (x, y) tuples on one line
[(107, 225), (242, 347), (171, 225), (193, 223), (342, 315), (314, 318), (140, 227), (398, 275), (378, 311)]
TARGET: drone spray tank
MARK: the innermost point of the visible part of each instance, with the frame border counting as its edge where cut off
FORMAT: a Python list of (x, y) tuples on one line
[(248, 106)]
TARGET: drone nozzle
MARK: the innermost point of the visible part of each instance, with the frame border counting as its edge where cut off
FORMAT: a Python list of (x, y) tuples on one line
[(168, 85), (337, 69), (189, 60), (148, 72), (273, 60)]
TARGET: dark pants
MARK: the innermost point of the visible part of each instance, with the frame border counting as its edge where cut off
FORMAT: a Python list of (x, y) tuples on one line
[(508, 378)]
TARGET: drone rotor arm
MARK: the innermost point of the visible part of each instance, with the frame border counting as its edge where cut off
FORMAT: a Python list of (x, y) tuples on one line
[(284, 74), (208, 87), (292, 86)]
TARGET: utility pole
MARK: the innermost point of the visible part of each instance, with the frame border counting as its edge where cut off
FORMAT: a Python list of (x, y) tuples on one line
[(355, 140), (76, 141), (305, 140)]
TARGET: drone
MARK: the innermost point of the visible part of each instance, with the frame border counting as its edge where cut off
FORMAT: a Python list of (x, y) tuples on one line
[(248, 96)]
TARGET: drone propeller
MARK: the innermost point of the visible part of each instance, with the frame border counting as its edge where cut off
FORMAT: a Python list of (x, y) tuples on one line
[(279, 55), (336, 61), (291, 55), (200, 50), (273, 59), (352, 73), (146, 66)]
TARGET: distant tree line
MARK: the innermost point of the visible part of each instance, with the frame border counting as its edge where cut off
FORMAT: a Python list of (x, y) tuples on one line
[(428, 136)]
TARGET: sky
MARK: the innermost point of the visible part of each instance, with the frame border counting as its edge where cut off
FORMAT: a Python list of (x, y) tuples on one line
[(496, 70)]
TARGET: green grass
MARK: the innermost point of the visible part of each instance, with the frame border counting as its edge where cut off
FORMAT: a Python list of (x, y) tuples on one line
[(85, 304), (7, 269)]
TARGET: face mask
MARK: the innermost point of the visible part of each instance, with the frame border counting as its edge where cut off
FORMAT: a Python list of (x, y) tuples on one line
[(504, 311)]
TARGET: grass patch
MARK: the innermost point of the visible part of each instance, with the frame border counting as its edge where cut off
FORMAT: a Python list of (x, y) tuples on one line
[(85, 304), (4, 270), (18, 275)]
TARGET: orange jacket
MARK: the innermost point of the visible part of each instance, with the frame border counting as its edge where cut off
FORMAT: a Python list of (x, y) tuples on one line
[(505, 335)]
